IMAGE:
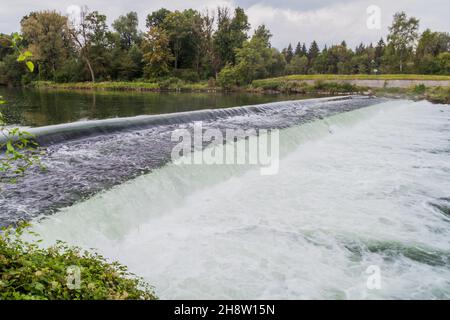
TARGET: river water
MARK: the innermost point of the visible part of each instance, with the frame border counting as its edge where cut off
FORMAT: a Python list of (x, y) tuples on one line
[(358, 190)]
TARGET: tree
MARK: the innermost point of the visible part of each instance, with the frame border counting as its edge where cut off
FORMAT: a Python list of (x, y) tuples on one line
[(254, 60), (298, 49), (222, 38), (298, 65), (48, 38), (313, 51), (178, 27), (289, 53), (239, 28), (430, 46), (100, 42), (209, 61), (82, 33), (443, 61), (127, 28), (230, 34), (264, 34), (156, 53), (156, 18), (402, 37), (11, 70), (379, 52)]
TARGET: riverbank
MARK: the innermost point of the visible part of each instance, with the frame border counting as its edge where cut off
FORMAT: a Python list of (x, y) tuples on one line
[(429, 87)]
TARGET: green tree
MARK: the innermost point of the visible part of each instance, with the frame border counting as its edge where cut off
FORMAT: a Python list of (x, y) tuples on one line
[(178, 28), (298, 65), (403, 34), (443, 60), (254, 60), (156, 53), (82, 31), (264, 34), (430, 46), (230, 35), (48, 38), (313, 52), (378, 54), (127, 28), (156, 18), (288, 53), (100, 43)]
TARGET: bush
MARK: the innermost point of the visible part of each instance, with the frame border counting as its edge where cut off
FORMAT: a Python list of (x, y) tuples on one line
[(71, 71), (30, 272), (170, 83), (227, 77), (186, 75), (419, 89)]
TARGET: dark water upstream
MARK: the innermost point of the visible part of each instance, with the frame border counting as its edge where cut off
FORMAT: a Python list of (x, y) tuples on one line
[(36, 108)]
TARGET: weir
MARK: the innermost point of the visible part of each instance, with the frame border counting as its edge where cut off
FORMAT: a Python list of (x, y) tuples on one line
[(85, 158), (63, 133)]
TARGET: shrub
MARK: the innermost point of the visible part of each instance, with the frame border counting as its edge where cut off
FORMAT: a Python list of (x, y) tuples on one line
[(227, 77), (186, 75), (419, 89), (30, 272)]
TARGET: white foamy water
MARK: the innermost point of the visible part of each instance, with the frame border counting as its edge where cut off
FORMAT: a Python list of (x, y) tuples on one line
[(353, 190)]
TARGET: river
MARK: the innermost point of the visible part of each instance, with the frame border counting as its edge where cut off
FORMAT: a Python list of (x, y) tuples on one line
[(363, 184)]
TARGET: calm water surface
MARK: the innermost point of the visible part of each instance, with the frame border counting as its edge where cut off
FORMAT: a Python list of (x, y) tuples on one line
[(34, 108)]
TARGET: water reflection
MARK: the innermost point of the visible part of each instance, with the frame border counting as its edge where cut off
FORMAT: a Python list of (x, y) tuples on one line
[(31, 107)]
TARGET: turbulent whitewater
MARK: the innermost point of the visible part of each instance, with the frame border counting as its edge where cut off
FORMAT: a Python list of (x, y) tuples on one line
[(365, 187), (87, 157)]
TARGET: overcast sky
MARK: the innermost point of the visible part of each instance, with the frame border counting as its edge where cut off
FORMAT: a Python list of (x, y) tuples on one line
[(326, 21)]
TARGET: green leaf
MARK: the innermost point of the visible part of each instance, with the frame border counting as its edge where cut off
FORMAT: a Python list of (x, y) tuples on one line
[(30, 66), (9, 146)]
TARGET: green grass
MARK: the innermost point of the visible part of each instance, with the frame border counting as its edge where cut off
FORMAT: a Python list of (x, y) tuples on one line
[(417, 92), (304, 77), (171, 84), (322, 84), (30, 272)]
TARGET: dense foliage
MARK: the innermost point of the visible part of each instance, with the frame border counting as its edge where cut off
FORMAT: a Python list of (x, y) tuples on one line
[(28, 271), (193, 46)]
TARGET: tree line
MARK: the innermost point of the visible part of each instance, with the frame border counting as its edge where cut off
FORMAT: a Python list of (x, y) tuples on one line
[(193, 46)]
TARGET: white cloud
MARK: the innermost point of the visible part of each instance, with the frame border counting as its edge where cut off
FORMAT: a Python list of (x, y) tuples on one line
[(343, 20)]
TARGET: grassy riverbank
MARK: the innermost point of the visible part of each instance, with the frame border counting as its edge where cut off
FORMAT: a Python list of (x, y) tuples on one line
[(171, 84), (298, 84), (30, 272), (423, 77), (419, 91)]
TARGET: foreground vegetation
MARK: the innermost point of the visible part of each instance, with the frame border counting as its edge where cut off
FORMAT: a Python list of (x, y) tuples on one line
[(28, 271)]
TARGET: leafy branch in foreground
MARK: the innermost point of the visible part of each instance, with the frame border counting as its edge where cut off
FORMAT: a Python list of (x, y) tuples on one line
[(28, 271), (20, 151)]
